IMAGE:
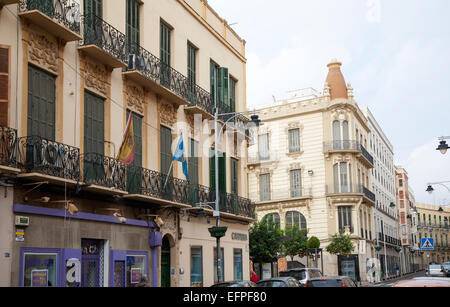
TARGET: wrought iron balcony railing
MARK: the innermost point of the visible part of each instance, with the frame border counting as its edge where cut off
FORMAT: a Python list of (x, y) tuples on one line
[(103, 171), (369, 194), (98, 32), (36, 154), (341, 145), (367, 155), (155, 184), (65, 12), (8, 141)]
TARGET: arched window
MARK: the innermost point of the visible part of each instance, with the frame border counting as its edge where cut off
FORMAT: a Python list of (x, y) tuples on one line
[(295, 218), (273, 218)]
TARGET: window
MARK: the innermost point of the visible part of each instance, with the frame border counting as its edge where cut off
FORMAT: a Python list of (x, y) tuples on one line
[(400, 183), (296, 183), (214, 80), (222, 266), (264, 186), (40, 269), (342, 178), (196, 267), (295, 218), (94, 127), (41, 103), (340, 135), (345, 217), (233, 84), (193, 171), (238, 271), (136, 268), (165, 54), (222, 171), (234, 176), (132, 21), (166, 150), (192, 71), (273, 218), (294, 140), (264, 147), (4, 86)]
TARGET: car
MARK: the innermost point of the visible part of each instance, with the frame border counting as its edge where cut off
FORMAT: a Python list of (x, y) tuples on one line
[(423, 282), (235, 284), (435, 270), (331, 282), (446, 266), (277, 282), (302, 274)]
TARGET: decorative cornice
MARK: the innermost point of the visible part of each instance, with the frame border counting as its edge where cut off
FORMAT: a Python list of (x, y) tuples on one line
[(43, 51)]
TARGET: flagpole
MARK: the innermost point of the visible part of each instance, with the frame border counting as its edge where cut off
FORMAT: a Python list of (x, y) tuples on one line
[(167, 178)]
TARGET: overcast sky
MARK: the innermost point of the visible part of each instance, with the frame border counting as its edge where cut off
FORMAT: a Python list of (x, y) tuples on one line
[(395, 53)]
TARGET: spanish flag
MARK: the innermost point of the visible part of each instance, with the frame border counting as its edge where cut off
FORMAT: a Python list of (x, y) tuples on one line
[(126, 153)]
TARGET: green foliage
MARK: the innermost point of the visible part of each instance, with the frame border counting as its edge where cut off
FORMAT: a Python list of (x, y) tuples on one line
[(313, 242), (295, 241), (266, 241), (341, 244)]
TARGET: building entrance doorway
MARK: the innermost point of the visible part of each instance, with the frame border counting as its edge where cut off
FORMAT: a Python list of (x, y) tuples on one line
[(92, 263)]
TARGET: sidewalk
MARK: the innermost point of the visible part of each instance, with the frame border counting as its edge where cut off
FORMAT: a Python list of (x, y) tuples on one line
[(394, 279)]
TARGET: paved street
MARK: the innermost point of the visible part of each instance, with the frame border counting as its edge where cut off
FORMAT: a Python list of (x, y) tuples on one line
[(389, 283)]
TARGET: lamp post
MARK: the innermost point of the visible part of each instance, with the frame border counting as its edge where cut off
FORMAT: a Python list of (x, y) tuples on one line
[(218, 231), (443, 146)]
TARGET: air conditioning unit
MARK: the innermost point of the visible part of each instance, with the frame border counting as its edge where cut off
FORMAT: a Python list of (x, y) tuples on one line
[(22, 221)]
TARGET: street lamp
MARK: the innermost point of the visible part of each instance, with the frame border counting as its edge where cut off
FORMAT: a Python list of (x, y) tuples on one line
[(217, 231), (430, 188), (443, 146)]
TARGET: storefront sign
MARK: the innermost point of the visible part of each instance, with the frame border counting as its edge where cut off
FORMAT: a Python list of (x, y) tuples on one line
[(73, 274), (136, 276), (39, 278), (239, 236)]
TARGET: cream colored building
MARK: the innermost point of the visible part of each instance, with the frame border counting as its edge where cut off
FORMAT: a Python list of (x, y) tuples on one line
[(71, 73), (310, 166), (433, 222)]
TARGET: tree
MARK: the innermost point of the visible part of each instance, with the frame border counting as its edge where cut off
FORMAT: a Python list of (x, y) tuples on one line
[(266, 241), (295, 241), (313, 243), (341, 244)]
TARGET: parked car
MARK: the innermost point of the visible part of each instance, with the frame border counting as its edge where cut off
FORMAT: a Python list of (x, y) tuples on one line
[(278, 282), (235, 284), (331, 282), (446, 266), (303, 275), (435, 270), (423, 282)]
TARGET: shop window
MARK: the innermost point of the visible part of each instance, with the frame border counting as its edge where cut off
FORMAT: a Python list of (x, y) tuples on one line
[(40, 269), (238, 264), (196, 267), (136, 269)]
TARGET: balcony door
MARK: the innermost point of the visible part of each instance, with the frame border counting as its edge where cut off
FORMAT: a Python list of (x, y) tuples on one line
[(93, 16), (133, 25), (134, 172)]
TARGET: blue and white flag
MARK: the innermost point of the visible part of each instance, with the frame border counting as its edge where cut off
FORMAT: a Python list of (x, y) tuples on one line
[(180, 157)]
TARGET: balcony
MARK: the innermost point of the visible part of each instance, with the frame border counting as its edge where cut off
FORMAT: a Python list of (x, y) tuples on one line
[(346, 146), (103, 42), (259, 159), (60, 18), (103, 174), (148, 70), (353, 190), (42, 159), (152, 186), (8, 141)]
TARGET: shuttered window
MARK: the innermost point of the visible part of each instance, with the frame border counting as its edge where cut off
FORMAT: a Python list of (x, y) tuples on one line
[(4, 85), (294, 140), (264, 147), (133, 33), (166, 150), (191, 69), (41, 103), (93, 7), (264, 187), (164, 52), (233, 83), (234, 176), (214, 78), (296, 183), (223, 88), (134, 172), (222, 171), (345, 217), (94, 127)]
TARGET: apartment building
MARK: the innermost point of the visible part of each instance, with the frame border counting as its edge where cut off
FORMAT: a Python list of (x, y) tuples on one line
[(385, 218), (433, 222), (71, 75), (309, 166)]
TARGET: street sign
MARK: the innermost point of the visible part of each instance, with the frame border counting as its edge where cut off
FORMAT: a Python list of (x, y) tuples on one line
[(427, 244)]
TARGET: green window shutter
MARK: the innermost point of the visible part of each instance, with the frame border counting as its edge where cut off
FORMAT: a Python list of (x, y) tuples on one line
[(222, 172), (133, 33), (191, 69), (166, 150), (234, 176), (193, 162), (233, 83), (214, 77), (165, 44), (4, 86), (223, 87), (41, 103), (94, 128), (93, 7)]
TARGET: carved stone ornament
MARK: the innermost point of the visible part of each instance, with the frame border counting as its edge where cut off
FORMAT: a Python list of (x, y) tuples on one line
[(42, 51), (135, 96), (95, 76), (168, 114), (341, 114)]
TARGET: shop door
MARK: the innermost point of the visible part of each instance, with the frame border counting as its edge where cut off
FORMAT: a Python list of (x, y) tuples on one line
[(91, 263), (165, 263), (348, 266)]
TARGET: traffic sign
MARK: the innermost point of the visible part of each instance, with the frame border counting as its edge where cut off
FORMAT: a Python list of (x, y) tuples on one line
[(427, 244)]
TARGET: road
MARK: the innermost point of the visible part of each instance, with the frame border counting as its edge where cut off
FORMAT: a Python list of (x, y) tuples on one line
[(389, 283)]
